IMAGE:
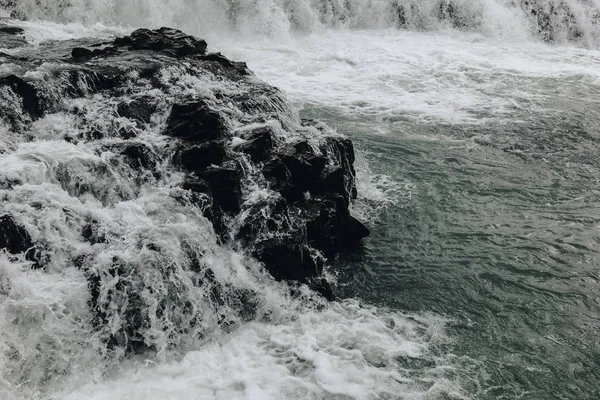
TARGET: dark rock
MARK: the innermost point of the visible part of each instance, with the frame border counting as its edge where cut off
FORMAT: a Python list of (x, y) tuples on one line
[(287, 259), (240, 67), (140, 156), (80, 52), (27, 92), (225, 186), (140, 109), (341, 150), (11, 30), (296, 171), (202, 198), (15, 239), (196, 122), (355, 230), (333, 180), (323, 287), (329, 225), (259, 144), (196, 185), (166, 40), (266, 218), (280, 180), (292, 231), (197, 158)]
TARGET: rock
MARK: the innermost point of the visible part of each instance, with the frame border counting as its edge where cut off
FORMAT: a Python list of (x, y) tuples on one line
[(27, 92), (11, 30), (15, 239), (287, 259), (240, 67), (139, 109), (333, 180), (341, 150), (354, 230), (196, 122), (166, 40), (140, 156), (281, 195), (265, 219), (197, 158), (297, 171), (259, 144), (80, 52), (225, 186), (202, 197)]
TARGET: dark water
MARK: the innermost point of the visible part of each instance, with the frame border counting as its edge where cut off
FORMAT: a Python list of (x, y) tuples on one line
[(500, 233)]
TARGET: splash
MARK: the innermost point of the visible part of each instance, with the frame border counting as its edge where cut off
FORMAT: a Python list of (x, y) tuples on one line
[(562, 21)]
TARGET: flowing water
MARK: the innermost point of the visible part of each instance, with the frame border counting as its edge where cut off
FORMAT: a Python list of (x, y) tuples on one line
[(478, 130)]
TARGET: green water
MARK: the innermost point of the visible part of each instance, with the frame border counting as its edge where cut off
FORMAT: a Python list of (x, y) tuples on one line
[(496, 227)]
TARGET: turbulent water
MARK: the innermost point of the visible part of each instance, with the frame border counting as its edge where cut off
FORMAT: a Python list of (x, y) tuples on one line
[(477, 124)]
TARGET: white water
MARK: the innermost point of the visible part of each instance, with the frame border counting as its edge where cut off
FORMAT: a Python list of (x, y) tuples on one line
[(294, 348), (563, 20)]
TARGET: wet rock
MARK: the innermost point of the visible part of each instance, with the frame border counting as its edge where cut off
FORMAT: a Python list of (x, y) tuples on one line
[(297, 171), (139, 156), (287, 258), (202, 198), (165, 40), (27, 92), (225, 186), (259, 144), (333, 180), (341, 150), (80, 52), (240, 67), (285, 203), (196, 122), (11, 30), (329, 225), (13, 237), (265, 219), (139, 109), (197, 158)]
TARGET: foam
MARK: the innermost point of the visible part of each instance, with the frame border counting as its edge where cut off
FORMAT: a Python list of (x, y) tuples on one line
[(343, 351)]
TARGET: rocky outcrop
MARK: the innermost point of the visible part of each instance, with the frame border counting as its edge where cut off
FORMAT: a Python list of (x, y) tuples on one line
[(15, 240), (274, 186)]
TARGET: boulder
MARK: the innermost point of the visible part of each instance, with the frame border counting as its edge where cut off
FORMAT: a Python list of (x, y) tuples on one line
[(259, 144), (15, 239), (165, 40), (11, 30), (287, 258), (140, 156), (197, 158), (81, 52), (225, 186), (139, 109), (240, 67), (27, 92), (196, 122)]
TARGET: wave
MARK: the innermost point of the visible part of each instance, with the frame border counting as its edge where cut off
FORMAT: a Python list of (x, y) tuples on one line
[(561, 21)]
